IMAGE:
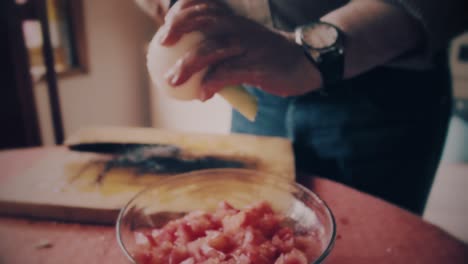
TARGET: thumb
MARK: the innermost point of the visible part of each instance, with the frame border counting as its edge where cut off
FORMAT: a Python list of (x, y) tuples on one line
[(220, 76)]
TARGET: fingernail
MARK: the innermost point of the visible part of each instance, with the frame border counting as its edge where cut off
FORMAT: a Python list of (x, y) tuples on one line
[(163, 39), (175, 79), (169, 74), (171, 77), (203, 95)]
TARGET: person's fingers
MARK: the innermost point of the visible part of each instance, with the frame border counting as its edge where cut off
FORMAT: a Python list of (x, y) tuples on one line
[(179, 5), (187, 4), (224, 74), (209, 52), (201, 18), (239, 71), (209, 18)]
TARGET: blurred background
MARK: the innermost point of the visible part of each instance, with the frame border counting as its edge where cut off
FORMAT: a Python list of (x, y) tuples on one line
[(97, 49)]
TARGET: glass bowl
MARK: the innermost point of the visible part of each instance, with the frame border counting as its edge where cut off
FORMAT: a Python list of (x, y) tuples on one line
[(205, 189)]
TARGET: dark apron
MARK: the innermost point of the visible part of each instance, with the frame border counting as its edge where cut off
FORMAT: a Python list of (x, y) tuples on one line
[(382, 132)]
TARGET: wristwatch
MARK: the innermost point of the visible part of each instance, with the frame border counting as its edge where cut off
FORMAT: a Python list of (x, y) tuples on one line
[(323, 45)]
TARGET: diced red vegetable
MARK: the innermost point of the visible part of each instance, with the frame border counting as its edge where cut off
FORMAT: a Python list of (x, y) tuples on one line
[(256, 235)]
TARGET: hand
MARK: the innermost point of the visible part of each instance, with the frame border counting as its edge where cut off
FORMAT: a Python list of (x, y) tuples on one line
[(237, 51), (157, 8)]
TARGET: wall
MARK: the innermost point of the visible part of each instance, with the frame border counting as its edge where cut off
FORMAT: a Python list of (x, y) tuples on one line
[(115, 91)]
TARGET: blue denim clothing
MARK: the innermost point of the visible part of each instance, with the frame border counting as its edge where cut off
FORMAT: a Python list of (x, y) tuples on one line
[(382, 132)]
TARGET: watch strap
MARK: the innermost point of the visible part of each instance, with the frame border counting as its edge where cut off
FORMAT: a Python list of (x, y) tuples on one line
[(331, 66)]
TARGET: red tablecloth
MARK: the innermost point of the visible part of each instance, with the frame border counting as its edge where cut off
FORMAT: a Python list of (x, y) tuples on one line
[(369, 230)]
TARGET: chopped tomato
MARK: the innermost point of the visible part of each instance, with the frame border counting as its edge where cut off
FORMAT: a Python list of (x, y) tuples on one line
[(255, 235)]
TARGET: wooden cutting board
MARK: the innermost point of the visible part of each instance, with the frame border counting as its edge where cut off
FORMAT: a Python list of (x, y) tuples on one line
[(91, 187)]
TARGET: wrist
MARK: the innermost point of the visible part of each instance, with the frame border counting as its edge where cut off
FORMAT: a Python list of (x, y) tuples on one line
[(306, 70), (323, 46), (286, 34), (311, 74)]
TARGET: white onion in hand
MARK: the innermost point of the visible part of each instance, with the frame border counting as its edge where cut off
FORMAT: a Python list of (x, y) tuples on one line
[(161, 58)]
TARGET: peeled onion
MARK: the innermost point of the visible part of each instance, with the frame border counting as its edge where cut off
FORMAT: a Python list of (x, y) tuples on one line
[(161, 58)]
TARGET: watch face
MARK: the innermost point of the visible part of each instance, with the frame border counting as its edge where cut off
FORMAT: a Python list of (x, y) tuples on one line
[(320, 35)]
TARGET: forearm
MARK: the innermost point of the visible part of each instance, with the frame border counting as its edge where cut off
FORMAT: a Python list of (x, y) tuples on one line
[(376, 32)]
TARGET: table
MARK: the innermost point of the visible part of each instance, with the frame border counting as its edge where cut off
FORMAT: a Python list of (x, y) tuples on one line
[(369, 230)]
